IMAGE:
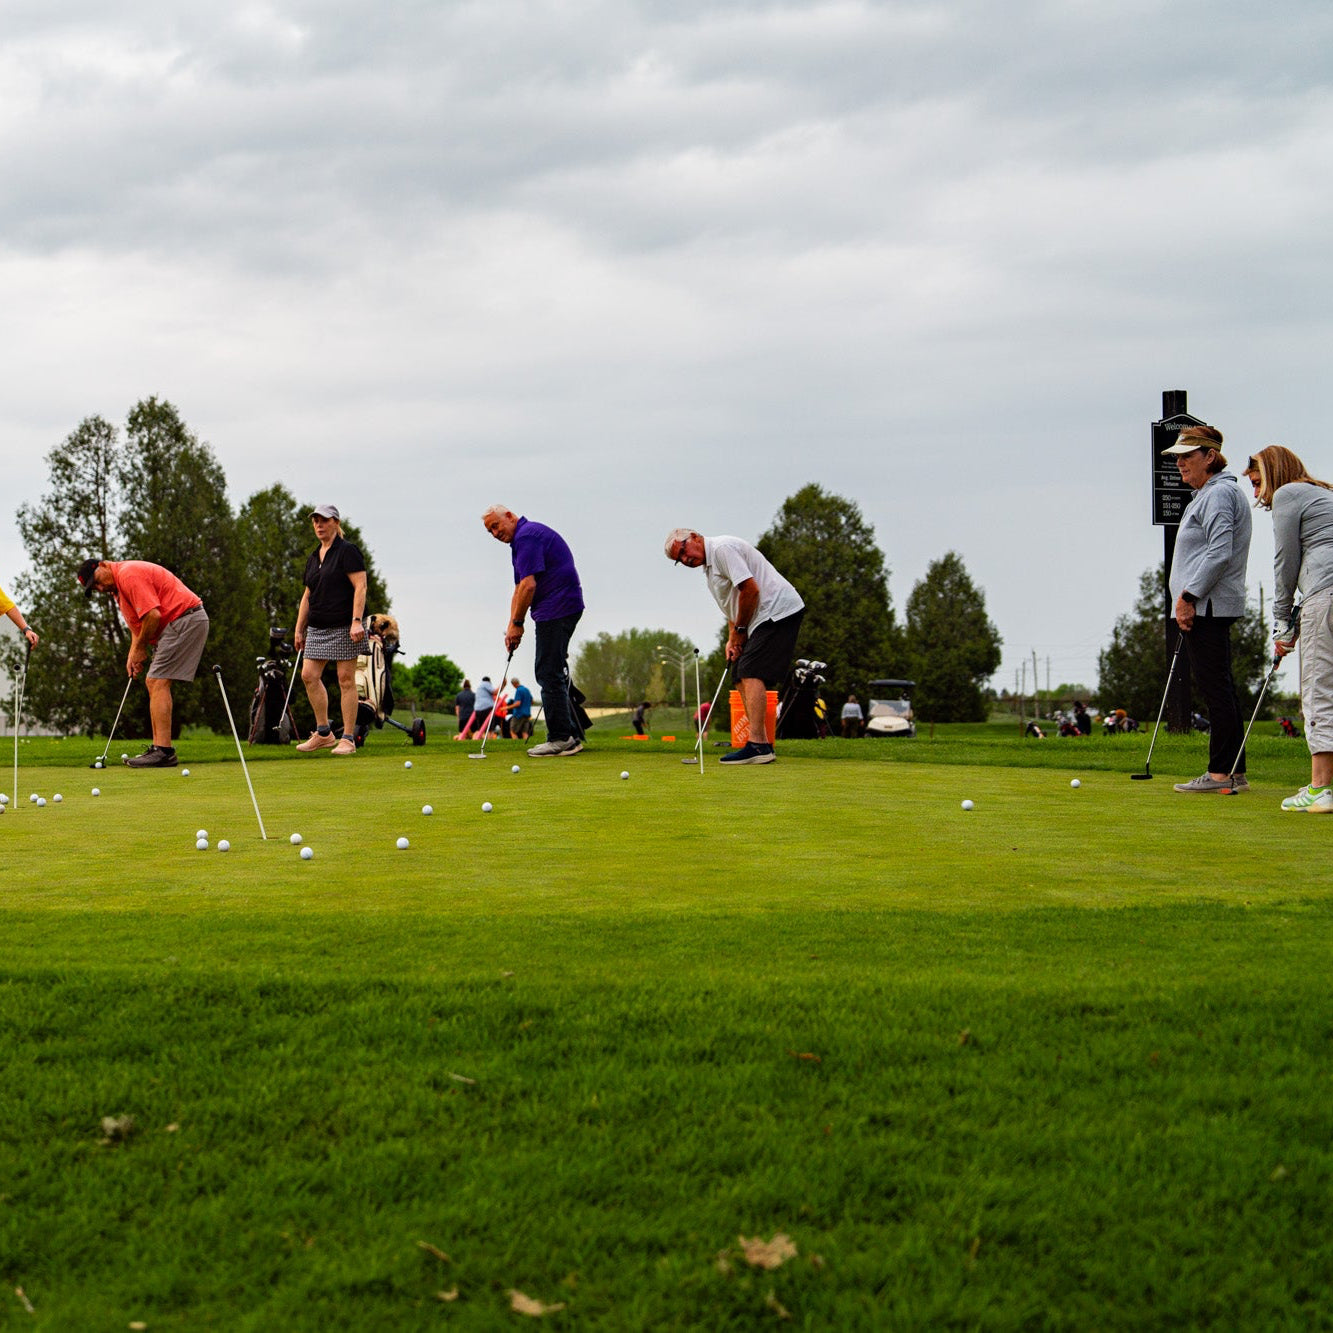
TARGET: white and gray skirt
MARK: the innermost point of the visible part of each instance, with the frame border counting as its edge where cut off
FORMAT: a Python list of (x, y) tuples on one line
[(332, 645)]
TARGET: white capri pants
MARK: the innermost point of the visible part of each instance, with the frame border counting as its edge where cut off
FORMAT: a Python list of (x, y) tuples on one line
[(1317, 670)]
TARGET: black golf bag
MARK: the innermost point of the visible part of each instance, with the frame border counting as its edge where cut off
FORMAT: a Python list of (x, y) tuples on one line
[(800, 712), (374, 691), (268, 724)]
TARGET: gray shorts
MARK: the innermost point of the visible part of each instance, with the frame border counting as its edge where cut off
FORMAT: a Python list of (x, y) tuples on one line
[(1317, 670), (178, 651)]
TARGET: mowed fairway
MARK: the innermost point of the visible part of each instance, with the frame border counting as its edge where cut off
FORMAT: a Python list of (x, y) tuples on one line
[(1060, 1061)]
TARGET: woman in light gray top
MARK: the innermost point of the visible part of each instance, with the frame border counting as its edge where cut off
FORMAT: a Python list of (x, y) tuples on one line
[(1303, 530)]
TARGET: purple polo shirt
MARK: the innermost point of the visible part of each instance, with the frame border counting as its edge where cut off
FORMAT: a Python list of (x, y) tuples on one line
[(543, 553)]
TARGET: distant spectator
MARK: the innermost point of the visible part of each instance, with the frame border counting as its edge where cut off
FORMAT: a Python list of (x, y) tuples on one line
[(852, 718), (701, 716), (481, 709), (464, 702), (1081, 719), (520, 711), (641, 718)]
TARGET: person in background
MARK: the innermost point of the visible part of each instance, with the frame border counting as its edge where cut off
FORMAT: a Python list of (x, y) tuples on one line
[(520, 711), (464, 702), (329, 629), (852, 717), (8, 608), (1302, 511), (640, 718), (1207, 583)]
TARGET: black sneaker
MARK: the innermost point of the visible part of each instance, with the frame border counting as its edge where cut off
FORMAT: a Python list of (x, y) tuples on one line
[(154, 757), (749, 753)]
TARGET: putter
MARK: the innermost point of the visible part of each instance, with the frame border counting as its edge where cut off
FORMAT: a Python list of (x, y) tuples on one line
[(698, 708), (217, 671), (1258, 703), (490, 717), (703, 725), (287, 702), (1146, 775), (100, 762)]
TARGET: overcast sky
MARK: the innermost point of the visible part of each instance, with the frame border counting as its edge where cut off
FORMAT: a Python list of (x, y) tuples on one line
[(627, 266)]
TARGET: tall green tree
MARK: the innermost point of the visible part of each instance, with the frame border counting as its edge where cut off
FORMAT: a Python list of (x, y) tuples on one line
[(79, 670), (434, 678), (951, 647), (1131, 669), (627, 667), (175, 513), (821, 543)]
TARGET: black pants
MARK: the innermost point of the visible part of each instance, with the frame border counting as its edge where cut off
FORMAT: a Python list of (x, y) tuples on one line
[(1208, 645), (551, 668)]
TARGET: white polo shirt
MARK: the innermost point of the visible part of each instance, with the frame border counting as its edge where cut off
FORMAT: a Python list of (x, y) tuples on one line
[(728, 562)]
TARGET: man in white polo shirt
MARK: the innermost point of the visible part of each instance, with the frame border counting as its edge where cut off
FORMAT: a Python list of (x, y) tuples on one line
[(763, 614)]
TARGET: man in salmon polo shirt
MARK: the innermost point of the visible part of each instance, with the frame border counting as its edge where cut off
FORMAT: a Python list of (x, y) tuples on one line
[(164, 614)]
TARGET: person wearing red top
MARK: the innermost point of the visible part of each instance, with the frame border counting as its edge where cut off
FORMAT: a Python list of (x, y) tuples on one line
[(163, 614)]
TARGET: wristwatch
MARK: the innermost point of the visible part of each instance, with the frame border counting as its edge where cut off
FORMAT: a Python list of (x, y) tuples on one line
[(517, 624)]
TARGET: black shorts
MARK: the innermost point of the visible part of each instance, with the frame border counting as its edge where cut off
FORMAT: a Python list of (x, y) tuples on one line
[(768, 651)]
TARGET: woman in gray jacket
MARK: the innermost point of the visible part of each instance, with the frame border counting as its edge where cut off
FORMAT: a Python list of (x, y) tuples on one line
[(1303, 532)]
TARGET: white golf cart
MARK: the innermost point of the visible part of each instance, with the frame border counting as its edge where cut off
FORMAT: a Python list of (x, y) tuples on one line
[(890, 712)]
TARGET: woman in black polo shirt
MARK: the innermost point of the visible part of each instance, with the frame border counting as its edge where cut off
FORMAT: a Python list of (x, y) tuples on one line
[(329, 629)]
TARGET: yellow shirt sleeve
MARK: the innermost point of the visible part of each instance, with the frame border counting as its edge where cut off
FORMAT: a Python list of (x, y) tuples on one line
[(6, 602)]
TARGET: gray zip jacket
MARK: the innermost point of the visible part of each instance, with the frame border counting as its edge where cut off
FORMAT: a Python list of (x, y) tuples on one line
[(1213, 547), (1303, 531)]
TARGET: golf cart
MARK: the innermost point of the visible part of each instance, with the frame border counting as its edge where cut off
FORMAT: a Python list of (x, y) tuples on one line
[(890, 712)]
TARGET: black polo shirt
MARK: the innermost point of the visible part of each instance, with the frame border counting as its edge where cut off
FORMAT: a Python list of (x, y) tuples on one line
[(331, 593)]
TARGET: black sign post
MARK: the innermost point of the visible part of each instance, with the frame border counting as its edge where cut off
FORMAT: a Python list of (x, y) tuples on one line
[(1169, 497)]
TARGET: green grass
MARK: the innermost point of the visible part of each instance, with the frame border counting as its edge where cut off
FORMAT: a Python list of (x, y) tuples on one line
[(1061, 1061)]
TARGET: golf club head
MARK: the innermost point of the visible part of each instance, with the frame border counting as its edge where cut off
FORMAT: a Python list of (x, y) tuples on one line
[(480, 755), (693, 759), (1140, 777)]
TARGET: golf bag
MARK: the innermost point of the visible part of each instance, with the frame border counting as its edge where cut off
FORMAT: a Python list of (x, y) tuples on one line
[(801, 715), (268, 724), (374, 683)]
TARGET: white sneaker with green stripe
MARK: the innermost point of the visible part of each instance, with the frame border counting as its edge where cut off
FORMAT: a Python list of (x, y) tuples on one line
[(1311, 801)]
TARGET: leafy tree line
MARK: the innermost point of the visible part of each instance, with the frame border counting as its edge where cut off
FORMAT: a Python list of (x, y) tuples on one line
[(824, 546), (1132, 668), (156, 492)]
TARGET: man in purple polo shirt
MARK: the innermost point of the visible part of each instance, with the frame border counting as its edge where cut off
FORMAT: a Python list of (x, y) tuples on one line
[(547, 584)]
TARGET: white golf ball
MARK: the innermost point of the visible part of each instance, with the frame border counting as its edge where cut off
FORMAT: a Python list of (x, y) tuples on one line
[(1074, 782), (57, 798), (514, 769), (407, 763), (98, 764), (123, 758), (307, 853), (33, 798), (402, 844), (185, 772), (201, 844), (201, 833), (295, 840), (4, 798), (967, 805), (427, 810), (97, 791), (41, 800), (224, 845), (623, 776), (485, 807)]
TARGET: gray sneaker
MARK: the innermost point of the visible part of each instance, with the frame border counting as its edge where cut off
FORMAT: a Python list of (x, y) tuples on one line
[(569, 745), (1205, 782)]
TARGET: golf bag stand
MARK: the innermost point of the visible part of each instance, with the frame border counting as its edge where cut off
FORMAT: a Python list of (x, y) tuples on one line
[(374, 693), (271, 721)]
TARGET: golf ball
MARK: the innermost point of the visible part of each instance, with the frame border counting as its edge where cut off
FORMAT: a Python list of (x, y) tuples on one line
[(201, 833), (98, 764), (623, 776), (1074, 782), (97, 791), (224, 845), (307, 853), (201, 844), (57, 798), (185, 772), (407, 763), (485, 807), (123, 758), (514, 769), (427, 810), (402, 844), (967, 805), (295, 840), (33, 798), (4, 798), (41, 800)]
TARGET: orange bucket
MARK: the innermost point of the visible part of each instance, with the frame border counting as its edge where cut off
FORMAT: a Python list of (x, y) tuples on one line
[(740, 724)]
